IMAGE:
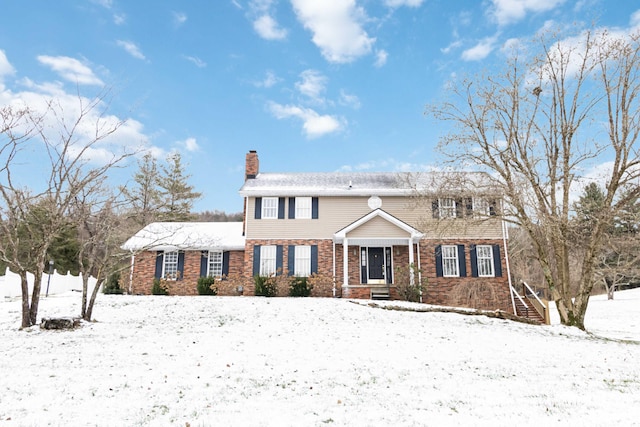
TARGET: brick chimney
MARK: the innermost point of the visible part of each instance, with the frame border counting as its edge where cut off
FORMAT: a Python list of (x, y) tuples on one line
[(252, 165)]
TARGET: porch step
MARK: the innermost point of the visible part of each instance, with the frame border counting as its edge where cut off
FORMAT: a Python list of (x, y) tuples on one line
[(530, 313), (380, 293)]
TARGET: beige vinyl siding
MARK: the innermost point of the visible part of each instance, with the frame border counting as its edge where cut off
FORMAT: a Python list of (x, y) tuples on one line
[(378, 228), (336, 213)]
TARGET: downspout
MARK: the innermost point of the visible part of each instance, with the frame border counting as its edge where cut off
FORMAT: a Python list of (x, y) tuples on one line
[(419, 269), (334, 268), (133, 259), (506, 261)]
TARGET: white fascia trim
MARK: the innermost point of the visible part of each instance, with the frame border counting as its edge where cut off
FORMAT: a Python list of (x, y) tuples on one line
[(342, 234)]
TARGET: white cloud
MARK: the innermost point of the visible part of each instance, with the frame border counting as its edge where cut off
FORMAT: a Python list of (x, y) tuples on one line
[(314, 125), (70, 69), (190, 144), (506, 12), (119, 18), (196, 61), (269, 80), (398, 3), (131, 48), (480, 50), (268, 28), (381, 58), (349, 100), (634, 21), (104, 3), (337, 28), (179, 18), (313, 84), (5, 66)]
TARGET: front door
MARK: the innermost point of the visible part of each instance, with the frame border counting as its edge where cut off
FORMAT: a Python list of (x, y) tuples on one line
[(376, 265)]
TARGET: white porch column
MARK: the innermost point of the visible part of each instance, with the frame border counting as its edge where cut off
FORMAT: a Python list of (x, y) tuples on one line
[(411, 262), (345, 262)]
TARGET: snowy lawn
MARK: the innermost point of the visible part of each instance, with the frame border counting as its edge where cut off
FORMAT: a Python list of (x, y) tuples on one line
[(249, 361)]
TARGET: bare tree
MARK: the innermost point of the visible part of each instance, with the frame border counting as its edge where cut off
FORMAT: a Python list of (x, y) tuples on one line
[(70, 140), (537, 127)]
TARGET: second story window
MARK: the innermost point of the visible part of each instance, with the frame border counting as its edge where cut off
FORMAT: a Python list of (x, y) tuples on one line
[(447, 208), (269, 207), (303, 207)]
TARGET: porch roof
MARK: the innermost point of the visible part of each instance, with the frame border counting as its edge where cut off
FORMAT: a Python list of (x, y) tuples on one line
[(414, 234), (187, 236)]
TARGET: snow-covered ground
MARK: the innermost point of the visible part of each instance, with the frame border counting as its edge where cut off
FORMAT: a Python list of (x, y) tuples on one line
[(249, 361)]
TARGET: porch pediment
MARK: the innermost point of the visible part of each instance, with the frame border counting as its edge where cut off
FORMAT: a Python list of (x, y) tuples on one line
[(378, 224)]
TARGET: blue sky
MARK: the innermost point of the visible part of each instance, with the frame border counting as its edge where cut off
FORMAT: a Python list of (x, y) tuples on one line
[(331, 85)]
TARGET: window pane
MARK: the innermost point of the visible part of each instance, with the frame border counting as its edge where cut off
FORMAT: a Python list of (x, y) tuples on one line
[(481, 207), (270, 207), (215, 263), (450, 261), (171, 265), (447, 208), (267, 260), (303, 261), (303, 207), (485, 261)]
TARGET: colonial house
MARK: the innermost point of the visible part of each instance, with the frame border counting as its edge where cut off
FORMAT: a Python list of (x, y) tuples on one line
[(369, 233)]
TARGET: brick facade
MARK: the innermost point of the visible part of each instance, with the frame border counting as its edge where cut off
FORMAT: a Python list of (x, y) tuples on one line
[(144, 270), (475, 292)]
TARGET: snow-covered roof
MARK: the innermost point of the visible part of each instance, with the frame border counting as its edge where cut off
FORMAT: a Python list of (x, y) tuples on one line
[(187, 235), (360, 183)]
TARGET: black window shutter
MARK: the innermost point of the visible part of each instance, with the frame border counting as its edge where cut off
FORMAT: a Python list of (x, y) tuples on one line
[(462, 261), (256, 260), (180, 265), (497, 265), (435, 208), (314, 208), (279, 259), (439, 261), (474, 260), (204, 263), (292, 207), (459, 207), (281, 207), (291, 260), (258, 214), (314, 259), (225, 263), (159, 263)]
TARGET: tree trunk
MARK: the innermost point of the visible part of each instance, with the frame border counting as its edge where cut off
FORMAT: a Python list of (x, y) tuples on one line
[(26, 314), (35, 298), (92, 300)]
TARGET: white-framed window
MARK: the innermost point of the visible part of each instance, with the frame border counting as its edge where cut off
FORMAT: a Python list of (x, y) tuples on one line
[(484, 254), (481, 207), (450, 261), (447, 207), (215, 264), (302, 261), (267, 260), (303, 207), (170, 265), (269, 208)]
